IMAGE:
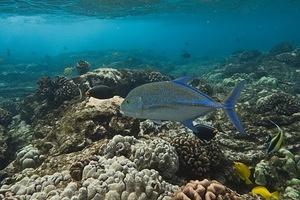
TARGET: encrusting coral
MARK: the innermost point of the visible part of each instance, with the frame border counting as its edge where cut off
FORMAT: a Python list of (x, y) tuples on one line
[(208, 190)]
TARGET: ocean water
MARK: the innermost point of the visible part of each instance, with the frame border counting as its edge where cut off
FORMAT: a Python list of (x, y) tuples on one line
[(48, 32), (217, 42)]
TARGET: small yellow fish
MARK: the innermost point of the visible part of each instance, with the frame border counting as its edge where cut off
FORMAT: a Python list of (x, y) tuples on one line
[(243, 171), (264, 192)]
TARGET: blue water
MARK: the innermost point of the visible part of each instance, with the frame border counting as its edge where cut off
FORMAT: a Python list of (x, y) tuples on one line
[(203, 29)]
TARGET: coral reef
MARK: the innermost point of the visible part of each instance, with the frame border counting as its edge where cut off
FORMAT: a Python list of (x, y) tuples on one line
[(115, 178), (5, 117), (82, 67), (279, 103), (150, 154), (60, 146), (208, 190), (282, 47), (56, 91), (198, 158), (3, 147), (121, 80), (278, 169), (28, 157)]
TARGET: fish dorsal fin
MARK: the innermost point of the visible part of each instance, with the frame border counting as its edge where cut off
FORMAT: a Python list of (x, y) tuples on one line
[(183, 80)]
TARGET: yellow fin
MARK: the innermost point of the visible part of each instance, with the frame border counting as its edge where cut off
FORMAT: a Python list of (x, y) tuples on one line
[(248, 181), (275, 195)]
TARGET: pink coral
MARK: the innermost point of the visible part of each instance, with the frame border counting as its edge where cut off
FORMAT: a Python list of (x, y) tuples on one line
[(208, 190)]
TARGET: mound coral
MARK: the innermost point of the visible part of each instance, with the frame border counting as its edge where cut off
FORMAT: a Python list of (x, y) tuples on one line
[(150, 154), (278, 106), (208, 190), (116, 178), (121, 80), (279, 103), (28, 157), (197, 157)]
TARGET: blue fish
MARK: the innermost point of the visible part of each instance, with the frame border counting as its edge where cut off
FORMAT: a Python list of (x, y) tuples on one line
[(177, 101)]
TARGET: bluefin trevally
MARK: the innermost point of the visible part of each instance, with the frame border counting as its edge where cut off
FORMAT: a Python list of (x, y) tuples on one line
[(177, 101)]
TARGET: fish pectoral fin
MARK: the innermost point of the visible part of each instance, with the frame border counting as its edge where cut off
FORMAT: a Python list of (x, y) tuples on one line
[(189, 124), (248, 181)]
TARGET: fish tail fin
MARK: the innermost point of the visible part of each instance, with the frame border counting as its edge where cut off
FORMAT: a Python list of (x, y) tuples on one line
[(275, 195), (248, 181), (229, 107)]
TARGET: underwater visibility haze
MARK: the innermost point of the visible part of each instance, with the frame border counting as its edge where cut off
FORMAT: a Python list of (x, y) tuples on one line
[(150, 99)]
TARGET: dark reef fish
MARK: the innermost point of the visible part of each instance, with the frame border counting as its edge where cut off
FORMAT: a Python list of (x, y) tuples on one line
[(186, 55), (205, 132), (101, 92), (276, 142), (177, 101)]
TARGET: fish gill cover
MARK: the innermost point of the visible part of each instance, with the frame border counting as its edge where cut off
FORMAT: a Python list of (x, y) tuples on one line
[(67, 66)]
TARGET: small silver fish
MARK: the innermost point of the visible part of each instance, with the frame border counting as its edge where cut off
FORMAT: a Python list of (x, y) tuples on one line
[(177, 101), (276, 142)]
